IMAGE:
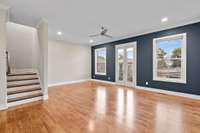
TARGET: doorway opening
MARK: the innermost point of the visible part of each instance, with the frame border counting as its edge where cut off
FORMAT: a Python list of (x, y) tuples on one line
[(126, 62)]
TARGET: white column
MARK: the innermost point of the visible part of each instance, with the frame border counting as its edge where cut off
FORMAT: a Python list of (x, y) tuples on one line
[(3, 82), (42, 28)]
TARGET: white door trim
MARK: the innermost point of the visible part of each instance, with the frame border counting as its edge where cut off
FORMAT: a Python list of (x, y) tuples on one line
[(126, 45)]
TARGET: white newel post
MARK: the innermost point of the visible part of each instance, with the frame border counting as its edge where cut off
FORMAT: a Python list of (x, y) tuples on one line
[(3, 83), (42, 28)]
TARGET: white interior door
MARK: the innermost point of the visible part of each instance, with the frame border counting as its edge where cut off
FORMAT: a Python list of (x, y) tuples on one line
[(126, 64)]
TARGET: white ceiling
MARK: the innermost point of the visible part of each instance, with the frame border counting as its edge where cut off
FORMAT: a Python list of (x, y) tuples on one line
[(78, 19)]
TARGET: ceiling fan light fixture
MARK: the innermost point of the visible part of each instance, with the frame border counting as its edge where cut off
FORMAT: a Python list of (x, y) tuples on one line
[(59, 33), (91, 41), (165, 19)]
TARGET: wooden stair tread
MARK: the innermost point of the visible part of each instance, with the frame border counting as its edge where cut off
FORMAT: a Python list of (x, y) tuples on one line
[(19, 74), (23, 86), (22, 89), (23, 94), (21, 77), (22, 83), (24, 97)]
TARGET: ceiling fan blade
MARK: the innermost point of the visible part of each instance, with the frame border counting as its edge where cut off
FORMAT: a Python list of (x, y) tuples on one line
[(104, 31), (109, 36), (95, 35)]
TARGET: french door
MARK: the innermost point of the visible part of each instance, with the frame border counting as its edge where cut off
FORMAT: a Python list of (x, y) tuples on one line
[(126, 64)]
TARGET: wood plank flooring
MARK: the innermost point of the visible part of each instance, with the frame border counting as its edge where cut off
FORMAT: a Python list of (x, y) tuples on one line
[(93, 107)]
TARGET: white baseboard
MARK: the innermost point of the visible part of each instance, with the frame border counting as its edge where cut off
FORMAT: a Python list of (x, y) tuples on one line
[(45, 97), (68, 82), (192, 96), (3, 106), (103, 81)]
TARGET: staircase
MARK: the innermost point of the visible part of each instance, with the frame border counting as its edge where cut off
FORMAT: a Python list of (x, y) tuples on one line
[(23, 87)]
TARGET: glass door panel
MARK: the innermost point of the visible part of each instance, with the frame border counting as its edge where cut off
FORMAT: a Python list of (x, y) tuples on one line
[(129, 57), (120, 64)]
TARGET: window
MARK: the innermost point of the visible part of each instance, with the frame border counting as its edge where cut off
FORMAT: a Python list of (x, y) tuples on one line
[(100, 61), (169, 58)]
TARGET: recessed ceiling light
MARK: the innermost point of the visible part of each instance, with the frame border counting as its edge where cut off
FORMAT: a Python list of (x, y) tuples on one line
[(59, 33), (91, 41), (165, 19)]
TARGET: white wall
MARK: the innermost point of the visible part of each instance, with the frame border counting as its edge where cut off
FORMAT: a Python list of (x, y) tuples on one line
[(68, 62), (22, 45)]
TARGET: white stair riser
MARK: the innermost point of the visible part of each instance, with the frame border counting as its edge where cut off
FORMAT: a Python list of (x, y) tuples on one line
[(21, 83), (20, 71)]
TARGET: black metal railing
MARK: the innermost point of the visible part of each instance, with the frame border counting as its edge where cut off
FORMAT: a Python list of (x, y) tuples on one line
[(8, 63)]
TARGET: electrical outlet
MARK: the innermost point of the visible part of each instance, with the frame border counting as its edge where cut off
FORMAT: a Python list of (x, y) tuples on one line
[(109, 78), (147, 83), (93, 76)]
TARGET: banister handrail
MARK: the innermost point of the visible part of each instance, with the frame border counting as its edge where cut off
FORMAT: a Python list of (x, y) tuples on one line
[(8, 63)]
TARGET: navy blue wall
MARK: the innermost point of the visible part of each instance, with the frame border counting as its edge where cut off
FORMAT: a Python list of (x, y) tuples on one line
[(145, 62)]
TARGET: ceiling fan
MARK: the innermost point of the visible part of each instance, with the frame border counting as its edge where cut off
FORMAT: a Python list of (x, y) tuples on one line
[(102, 33)]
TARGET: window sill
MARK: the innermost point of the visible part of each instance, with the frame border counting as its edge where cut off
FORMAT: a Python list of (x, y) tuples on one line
[(101, 74), (181, 81)]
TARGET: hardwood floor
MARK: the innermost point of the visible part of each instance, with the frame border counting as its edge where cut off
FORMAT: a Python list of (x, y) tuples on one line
[(93, 107)]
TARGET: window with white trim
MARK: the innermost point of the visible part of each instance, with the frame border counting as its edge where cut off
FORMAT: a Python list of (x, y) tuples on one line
[(100, 61), (169, 58)]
